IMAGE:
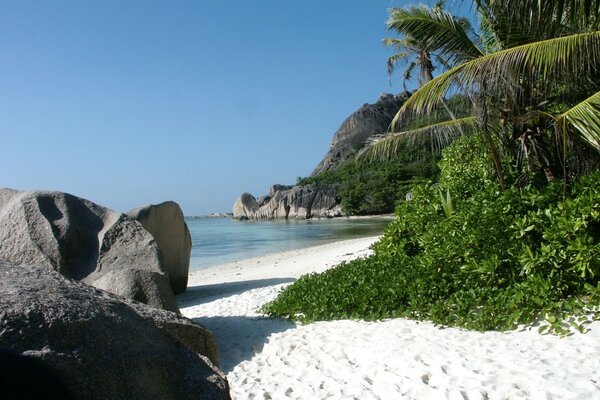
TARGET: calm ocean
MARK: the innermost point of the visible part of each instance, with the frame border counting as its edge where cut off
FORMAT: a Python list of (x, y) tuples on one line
[(221, 240)]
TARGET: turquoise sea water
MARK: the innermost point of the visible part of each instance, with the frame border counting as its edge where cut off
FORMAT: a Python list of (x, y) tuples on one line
[(221, 240)]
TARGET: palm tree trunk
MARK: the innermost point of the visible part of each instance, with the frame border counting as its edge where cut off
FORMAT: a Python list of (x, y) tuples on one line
[(426, 66), (488, 138)]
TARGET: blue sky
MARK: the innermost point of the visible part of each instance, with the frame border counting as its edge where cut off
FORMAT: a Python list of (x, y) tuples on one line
[(134, 102)]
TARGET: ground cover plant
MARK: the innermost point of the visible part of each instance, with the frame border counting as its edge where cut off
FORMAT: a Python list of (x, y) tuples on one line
[(491, 259)]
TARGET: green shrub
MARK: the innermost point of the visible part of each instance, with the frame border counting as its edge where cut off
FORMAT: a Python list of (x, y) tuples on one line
[(500, 259), (466, 166)]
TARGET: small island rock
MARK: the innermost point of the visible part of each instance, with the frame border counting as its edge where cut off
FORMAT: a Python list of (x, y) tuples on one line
[(245, 207)]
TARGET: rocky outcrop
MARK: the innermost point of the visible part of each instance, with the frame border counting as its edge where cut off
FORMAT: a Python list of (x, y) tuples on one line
[(166, 224), (79, 239), (295, 202), (367, 121), (303, 202), (245, 207), (102, 347)]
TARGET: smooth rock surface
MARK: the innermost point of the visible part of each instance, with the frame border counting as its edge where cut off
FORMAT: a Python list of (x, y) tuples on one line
[(245, 207), (102, 347), (147, 287), (79, 239), (166, 223)]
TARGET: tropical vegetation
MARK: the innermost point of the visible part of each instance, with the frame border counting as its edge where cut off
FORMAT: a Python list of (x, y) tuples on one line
[(510, 233), (376, 186)]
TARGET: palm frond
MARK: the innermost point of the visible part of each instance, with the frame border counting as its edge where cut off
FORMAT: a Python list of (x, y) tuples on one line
[(408, 73), (435, 136), (395, 59), (400, 43), (436, 29), (517, 22), (546, 60), (585, 119)]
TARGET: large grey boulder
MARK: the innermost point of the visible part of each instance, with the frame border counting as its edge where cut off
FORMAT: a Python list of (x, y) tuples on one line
[(366, 122), (78, 238), (245, 207), (166, 223), (147, 287), (189, 333), (102, 347)]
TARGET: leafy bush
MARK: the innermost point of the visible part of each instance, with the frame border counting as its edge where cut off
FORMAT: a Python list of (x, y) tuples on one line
[(466, 166), (499, 259)]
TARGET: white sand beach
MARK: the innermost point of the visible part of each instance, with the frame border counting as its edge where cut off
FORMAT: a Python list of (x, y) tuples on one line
[(394, 359)]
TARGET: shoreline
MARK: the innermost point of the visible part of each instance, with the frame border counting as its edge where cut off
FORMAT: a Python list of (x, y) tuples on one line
[(396, 358), (256, 238), (389, 216), (315, 258)]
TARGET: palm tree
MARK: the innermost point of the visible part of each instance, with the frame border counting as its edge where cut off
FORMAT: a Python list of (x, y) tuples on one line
[(410, 52), (409, 49), (535, 71), (452, 44)]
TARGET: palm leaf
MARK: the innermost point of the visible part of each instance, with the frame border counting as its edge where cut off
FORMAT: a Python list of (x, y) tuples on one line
[(436, 29), (393, 60), (585, 119), (436, 136), (516, 22), (545, 60), (407, 75)]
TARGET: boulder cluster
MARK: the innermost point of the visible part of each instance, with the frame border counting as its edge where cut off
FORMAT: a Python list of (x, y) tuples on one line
[(289, 202), (91, 292)]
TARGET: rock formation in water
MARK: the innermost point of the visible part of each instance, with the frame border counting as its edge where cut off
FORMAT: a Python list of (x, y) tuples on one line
[(83, 241), (245, 207), (289, 202), (166, 224), (104, 347), (367, 121)]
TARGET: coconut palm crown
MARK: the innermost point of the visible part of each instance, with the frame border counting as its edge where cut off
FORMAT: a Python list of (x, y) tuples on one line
[(531, 74)]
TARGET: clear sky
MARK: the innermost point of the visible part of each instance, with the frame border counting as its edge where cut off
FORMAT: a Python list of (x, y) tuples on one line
[(129, 102)]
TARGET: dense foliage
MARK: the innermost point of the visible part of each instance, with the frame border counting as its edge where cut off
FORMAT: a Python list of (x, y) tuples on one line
[(481, 258), (375, 187), (511, 232)]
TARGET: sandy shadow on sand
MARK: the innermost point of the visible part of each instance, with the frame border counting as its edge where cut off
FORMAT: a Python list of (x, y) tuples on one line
[(204, 293), (239, 338)]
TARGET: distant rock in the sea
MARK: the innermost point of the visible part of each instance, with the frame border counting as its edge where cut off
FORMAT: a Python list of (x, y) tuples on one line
[(83, 241), (166, 224), (104, 347), (369, 120), (245, 207), (211, 215), (289, 202)]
